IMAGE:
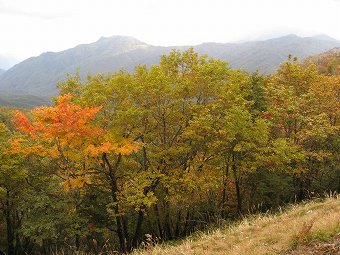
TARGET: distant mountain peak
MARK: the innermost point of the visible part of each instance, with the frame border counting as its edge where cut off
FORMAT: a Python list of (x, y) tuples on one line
[(118, 43), (118, 38), (290, 36)]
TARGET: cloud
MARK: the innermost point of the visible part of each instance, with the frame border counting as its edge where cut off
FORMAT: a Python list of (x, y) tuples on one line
[(12, 11)]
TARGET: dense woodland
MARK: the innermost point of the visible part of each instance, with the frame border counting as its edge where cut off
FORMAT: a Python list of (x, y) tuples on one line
[(162, 152)]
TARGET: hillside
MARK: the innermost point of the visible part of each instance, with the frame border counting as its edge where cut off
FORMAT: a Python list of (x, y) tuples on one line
[(23, 101), (327, 62), (39, 75), (311, 228)]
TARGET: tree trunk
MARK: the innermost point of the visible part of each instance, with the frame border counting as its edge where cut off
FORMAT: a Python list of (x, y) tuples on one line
[(225, 188), (177, 230), (9, 226), (167, 222), (237, 187), (126, 232), (138, 231), (114, 189), (300, 193), (186, 225), (160, 229)]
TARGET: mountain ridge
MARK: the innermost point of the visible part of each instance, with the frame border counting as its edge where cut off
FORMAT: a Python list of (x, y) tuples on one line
[(38, 75)]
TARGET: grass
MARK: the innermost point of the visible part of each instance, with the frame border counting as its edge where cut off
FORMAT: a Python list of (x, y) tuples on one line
[(299, 229)]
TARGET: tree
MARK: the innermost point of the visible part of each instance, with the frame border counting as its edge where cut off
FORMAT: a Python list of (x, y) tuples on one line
[(297, 107), (74, 146), (164, 151)]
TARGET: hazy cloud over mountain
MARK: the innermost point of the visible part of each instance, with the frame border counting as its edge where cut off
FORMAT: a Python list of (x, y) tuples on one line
[(7, 62), (32, 27)]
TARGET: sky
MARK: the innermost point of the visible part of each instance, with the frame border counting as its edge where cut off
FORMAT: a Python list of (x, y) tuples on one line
[(29, 28)]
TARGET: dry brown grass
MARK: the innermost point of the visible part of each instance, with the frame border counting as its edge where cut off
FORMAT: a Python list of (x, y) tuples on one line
[(300, 226)]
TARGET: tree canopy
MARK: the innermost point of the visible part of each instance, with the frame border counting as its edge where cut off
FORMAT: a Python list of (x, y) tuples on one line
[(164, 151)]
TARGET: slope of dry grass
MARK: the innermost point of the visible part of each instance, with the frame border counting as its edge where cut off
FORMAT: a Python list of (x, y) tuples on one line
[(310, 228)]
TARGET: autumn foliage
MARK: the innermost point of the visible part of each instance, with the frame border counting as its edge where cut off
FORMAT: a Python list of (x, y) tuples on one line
[(66, 133), (65, 125), (165, 151)]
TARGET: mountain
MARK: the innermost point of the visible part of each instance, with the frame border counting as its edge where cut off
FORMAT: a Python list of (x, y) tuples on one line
[(2, 71), (267, 55), (39, 75), (327, 63)]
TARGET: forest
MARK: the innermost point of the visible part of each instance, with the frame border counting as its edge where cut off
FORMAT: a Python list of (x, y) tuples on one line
[(164, 151)]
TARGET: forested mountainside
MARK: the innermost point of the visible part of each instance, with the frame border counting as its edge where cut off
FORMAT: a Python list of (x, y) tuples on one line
[(23, 101), (328, 62), (38, 75)]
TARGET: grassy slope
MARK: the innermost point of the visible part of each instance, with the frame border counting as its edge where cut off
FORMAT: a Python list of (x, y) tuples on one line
[(300, 229)]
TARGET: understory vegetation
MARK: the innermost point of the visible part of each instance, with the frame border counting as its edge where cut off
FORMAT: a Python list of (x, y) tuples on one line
[(165, 151), (306, 228)]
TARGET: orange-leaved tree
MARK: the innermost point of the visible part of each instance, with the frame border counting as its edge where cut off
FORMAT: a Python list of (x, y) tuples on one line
[(76, 147), (61, 133)]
